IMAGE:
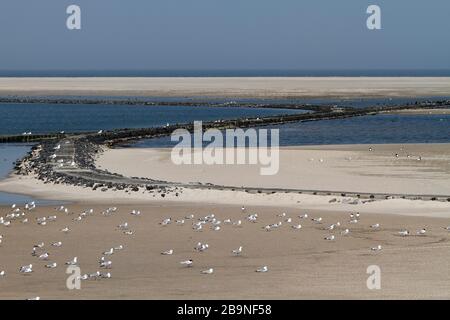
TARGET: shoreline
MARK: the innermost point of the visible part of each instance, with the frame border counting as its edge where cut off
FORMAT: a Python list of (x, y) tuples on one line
[(31, 186)]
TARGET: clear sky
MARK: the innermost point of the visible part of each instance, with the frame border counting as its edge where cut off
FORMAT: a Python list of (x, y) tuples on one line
[(224, 34)]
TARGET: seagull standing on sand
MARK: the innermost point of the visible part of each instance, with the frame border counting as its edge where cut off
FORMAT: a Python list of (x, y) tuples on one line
[(237, 251), (237, 223), (421, 232), (375, 226), (345, 232), (167, 253), (26, 269), (377, 248), (165, 222), (135, 213), (403, 233), (106, 265), (330, 238), (201, 247), (44, 256), (297, 226), (109, 252), (73, 262), (208, 271), (123, 226), (2, 273), (51, 265), (262, 269), (39, 245), (303, 216), (317, 220), (187, 263)]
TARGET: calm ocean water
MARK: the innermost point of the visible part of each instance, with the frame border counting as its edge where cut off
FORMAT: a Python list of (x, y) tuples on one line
[(229, 73), (9, 153), (358, 130), (43, 118)]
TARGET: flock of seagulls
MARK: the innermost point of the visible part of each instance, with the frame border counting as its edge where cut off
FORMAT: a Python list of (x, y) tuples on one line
[(213, 222), (43, 254)]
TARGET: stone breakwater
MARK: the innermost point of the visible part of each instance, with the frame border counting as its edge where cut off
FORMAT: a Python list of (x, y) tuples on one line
[(70, 159)]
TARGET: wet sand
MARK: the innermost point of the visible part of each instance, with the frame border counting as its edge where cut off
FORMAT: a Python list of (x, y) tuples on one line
[(302, 265), (253, 87)]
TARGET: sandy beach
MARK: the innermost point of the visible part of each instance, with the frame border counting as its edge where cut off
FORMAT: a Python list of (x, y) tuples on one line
[(346, 168), (256, 87), (302, 265)]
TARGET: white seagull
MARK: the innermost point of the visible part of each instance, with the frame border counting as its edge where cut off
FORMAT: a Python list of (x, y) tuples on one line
[(237, 251), (135, 213), (44, 256), (237, 223), (65, 230), (262, 269), (377, 248), (123, 226), (109, 252), (317, 220), (51, 265), (421, 232), (165, 222), (106, 264), (167, 253), (187, 263), (208, 271), (26, 269), (73, 262)]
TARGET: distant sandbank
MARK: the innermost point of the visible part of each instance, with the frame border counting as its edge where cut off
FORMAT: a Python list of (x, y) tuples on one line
[(232, 87)]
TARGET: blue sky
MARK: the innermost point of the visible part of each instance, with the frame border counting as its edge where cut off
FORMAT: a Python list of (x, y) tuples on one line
[(224, 34)]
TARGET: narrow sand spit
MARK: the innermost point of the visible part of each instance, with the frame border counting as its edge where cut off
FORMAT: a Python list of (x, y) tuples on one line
[(396, 169)]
